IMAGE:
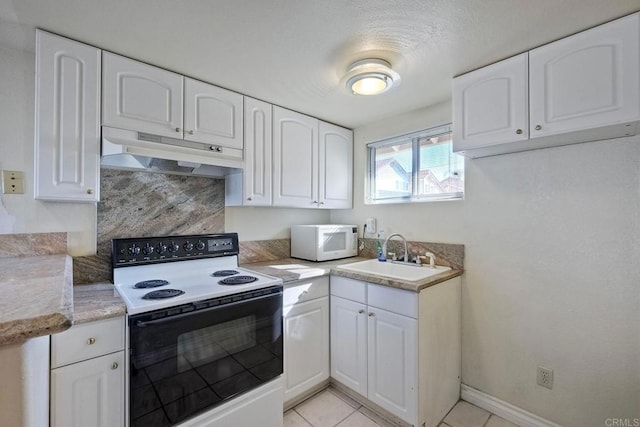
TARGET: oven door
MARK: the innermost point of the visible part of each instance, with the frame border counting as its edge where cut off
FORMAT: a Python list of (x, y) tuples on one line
[(188, 359)]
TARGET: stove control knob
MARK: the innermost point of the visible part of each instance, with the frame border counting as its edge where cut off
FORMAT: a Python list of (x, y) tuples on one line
[(173, 247), (162, 248), (200, 245), (134, 249), (147, 249), (188, 246)]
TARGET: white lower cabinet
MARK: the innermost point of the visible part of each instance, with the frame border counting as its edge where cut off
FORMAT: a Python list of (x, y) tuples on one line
[(398, 349), (349, 343), (306, 337), (392, 355), (89, 393), (88, 375)]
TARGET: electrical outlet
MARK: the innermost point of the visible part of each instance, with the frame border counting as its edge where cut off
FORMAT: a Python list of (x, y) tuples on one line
[(371, 225), (545, 377), (12, 182)]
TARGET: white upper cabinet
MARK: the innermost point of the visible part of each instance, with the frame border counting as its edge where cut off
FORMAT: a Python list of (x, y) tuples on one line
[(491, 105), (312, 162), (587, 80), (253, 185), (580, 88), (141, 97), (67, 137), (144, 98), (212, 115), (295, 159), (335, 167)]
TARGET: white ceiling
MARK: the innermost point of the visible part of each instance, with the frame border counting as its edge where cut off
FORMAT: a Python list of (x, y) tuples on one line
[(294, 52)]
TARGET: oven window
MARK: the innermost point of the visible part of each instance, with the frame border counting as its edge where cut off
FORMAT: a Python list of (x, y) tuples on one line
[(184, 365), (212, 343), (334, 242)]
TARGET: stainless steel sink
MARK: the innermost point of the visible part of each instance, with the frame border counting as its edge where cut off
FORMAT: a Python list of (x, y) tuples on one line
[(392, 270)]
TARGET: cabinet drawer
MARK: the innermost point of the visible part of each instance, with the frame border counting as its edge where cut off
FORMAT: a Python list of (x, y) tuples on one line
[(354, 290), (306, 290), (86, 341), (393, 300)]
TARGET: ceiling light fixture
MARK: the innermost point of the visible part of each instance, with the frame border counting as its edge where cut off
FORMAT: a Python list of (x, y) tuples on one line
[(370, 77)]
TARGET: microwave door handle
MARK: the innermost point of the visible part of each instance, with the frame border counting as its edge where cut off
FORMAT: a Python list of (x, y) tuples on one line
[(144, 324)]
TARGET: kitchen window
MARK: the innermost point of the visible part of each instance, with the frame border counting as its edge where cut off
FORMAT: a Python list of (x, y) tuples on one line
[(417, 167)]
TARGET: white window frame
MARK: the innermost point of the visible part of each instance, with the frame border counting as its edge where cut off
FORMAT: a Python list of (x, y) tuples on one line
[(413, 137)]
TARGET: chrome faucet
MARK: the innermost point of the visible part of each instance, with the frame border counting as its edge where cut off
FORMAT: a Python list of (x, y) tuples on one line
[(406, 252)]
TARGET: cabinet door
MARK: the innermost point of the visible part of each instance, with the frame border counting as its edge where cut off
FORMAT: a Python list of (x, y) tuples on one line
[(586, 80), (306, 346), (67, 140), (295, 159), (141, 97), (349, 343), (89, 393), (212, 115), (335, 166), (490, 105), (393, 351), (258, 148)]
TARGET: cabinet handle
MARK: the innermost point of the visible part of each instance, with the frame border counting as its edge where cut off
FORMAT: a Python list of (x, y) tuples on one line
[(91, 341), (89, 191), (249, 198), (371, 314), (360, 311), (321, 203), (315, 202), (519, 131), (178, 130), (190, 132), (115, 365), (538, 127)]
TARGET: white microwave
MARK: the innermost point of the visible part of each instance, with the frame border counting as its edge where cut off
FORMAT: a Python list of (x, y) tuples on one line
[(324, 242)]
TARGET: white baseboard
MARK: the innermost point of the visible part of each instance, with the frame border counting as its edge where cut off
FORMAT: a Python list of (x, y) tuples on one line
[(503, 409)]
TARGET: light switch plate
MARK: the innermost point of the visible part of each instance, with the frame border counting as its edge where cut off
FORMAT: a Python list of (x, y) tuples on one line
[(12, 182)]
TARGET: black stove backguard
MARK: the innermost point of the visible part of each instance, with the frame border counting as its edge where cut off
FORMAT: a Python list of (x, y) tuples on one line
[(151, 250)]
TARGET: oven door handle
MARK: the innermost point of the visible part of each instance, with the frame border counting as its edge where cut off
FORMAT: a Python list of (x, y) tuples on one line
[(144, 324)]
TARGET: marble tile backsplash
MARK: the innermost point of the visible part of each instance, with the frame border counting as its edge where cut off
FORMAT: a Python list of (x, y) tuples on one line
[(264, 250), (32, 244), (134, 204)]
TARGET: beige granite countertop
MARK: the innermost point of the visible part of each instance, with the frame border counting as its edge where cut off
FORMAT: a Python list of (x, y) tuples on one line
[(291, 269), (101, 300), (37, 296), (96, 302)]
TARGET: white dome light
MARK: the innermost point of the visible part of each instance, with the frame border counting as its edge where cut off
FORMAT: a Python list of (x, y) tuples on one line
[(370, 77)]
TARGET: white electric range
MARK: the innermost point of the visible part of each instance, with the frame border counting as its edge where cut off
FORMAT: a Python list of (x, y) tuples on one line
[(204, 336)]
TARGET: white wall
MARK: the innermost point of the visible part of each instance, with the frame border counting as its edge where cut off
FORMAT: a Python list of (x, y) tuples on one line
[(21, 213), (254, 223), (552, 272)]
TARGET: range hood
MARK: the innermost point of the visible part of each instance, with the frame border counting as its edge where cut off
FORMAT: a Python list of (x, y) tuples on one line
[(125, 149)]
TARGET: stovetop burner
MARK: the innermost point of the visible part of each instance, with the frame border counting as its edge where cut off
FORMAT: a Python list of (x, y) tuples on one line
[(223, 273), (237, 280), (163, 293), (150, 284)]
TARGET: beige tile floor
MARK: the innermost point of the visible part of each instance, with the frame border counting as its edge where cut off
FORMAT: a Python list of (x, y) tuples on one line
[(331, 408)]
